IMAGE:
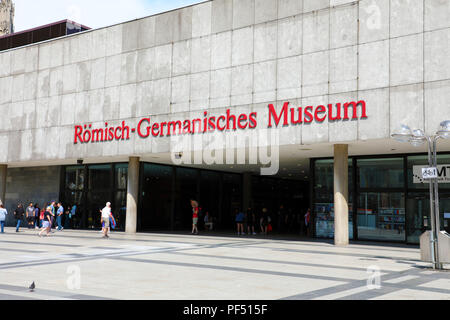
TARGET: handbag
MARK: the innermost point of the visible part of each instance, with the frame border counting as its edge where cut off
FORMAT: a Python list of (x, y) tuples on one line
[(269, 227)]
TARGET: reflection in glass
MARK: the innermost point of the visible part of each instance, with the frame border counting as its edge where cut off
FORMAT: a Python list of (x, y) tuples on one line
[(156, 197), (417, 215), (381, 216), (100, 177), (209, 195), (232, 199), (381, 173), (324, 198), (75, 178), (121, 176), (120, 209), (415, 180)]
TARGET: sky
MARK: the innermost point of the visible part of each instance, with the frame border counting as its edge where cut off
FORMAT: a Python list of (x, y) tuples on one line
[(91, 13)]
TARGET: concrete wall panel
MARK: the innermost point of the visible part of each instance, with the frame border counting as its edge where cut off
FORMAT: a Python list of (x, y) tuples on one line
[(201, 19), (243, 13), (407, 107), (406, 60), (374, 20), (374, 65), (437, 50), (377, 124), (265, 10), (316, 31), (233, 54), (406, 17), (265, 42), (287, 8), (222, 16)]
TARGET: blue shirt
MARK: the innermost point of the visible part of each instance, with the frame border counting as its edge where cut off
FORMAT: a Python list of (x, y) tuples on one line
[(240, 217), (73, 210), (60, 210)]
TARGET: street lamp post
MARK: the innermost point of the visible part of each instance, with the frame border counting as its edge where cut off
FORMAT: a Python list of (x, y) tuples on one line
[(417, 138)]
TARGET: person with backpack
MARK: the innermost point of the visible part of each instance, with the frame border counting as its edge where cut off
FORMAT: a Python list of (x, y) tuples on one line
[(105, 216), (3, 213), (18, 215)]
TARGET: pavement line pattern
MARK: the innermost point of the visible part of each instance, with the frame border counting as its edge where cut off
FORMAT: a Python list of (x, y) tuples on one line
[(342, 294), (401, 279), (182, 266)]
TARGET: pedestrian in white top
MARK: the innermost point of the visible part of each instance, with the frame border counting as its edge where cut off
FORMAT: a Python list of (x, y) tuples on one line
[(3, 214), (106, 213)]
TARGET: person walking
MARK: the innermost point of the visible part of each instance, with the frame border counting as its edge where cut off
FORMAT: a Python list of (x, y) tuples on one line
[(3, 213), (37, 212), (240, 221), (59, 215), (46, 221), (41, 214), (30, 215), (53, 213), (195, 212), (106, 213), (18, 215)]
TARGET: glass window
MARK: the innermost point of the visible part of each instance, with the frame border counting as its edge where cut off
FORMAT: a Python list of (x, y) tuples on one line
[(100, 177), (417, 215), (381, 216), (381, 173), (75, 178), (156, 197), (324, 198), (121, 176), (96, 202), (415, 176), (120, 209), (186, 189), (209, 195), (232, 198)]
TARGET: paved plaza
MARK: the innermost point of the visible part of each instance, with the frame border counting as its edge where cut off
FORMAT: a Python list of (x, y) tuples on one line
[(81, 265)]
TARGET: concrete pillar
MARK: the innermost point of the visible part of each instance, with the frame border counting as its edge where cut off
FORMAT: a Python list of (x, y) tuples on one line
[(341, 195), (246, 190), (132, 195), (3, 174)]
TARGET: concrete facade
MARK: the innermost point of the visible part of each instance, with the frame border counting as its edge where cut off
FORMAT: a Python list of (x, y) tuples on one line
[(24, 185), (7, 10), (224, 54)]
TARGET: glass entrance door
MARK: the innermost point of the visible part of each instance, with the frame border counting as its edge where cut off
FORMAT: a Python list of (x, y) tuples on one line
[(417, 215)]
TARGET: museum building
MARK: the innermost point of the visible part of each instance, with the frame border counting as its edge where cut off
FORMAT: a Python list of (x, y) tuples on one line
[(200, 102)]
